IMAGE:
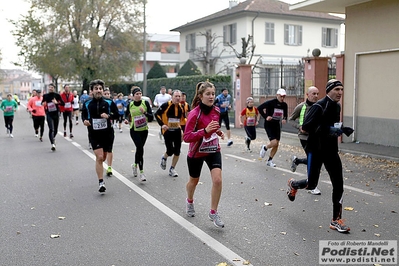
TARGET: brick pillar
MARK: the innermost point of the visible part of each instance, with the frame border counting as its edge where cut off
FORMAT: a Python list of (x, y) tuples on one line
[(243, 90), (316, 74)]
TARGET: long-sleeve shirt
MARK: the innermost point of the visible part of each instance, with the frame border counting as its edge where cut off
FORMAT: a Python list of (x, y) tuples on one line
[(318, 121), (138, 119), (170, 114), (274, 108), (198, 119), (298, 116), (223, 102), (68, 99), (92, 110), (49, 105), (35, 106), (9, 107)]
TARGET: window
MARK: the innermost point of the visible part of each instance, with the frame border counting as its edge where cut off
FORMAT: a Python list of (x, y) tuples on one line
[(269, 36), (190, 42), (292, 34), (230, 34), (329, 37)]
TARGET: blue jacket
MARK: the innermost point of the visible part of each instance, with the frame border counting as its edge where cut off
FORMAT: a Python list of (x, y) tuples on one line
[(220, 99)]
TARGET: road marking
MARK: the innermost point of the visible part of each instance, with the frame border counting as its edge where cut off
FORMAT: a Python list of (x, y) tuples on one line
[(304, 175), (232, 257)]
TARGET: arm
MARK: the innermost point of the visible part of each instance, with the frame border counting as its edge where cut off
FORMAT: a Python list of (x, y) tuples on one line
[(191, 134), (262, 109), (295, 115), (114, 113), (312, 119), (158, 114), (149, 114)]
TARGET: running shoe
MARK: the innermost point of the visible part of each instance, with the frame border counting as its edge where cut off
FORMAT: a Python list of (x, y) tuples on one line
[(41, 139), (53, 147), (339, 226), (134, 168), (291, 192), (120, 130), (247, 142), (172, 172), (293, 164), (70, 135), (65, 134), (270, 163), (102, 188), (142, 177), (109, 171), (315, 191), (263, 150), (163, 163), (11, 135), (190, 211), (229, 143), (36, 135), (216, 219), (77, 123)]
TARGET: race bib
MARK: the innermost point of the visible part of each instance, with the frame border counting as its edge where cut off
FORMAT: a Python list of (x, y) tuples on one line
[(250, 121), (209, 145), (278, 114), (99, 123), (173, 123), (38, 103), (68, 105), (51, 107), (140, 121), (226, 104), (120, 107), (9, 109)]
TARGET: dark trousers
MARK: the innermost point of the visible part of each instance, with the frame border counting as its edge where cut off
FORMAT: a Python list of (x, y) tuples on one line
[(8, 121), (333, 165), (38, 122), (67, 115), (139, 138), (52, 123)]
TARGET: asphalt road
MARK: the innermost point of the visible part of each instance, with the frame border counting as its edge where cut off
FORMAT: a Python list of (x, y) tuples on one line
[(46, 193)]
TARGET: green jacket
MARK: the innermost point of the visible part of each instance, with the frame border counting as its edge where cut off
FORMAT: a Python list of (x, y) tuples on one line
[(9, 107)]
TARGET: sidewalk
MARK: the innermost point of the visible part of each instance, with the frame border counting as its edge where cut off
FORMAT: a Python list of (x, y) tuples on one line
[(360, 149)]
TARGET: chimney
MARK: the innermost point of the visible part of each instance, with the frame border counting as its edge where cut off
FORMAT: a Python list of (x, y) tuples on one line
[(232, 3)]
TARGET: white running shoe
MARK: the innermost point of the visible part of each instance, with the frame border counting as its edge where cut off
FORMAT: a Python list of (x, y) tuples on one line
[(142, 177), (263, 150), (270, 163), (11, 135), (134, 170), (315, 191), (172, 172)]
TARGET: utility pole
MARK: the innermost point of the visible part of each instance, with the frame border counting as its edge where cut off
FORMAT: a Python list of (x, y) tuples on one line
[(145, 54)]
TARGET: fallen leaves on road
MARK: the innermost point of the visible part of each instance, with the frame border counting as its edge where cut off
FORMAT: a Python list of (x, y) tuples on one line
[(348, 208), (54, 236)]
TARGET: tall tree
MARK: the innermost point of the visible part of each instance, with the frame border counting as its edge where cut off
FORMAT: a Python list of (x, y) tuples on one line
[(81, 39)]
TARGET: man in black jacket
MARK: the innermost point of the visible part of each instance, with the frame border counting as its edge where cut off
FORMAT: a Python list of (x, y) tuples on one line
[(322, 122)]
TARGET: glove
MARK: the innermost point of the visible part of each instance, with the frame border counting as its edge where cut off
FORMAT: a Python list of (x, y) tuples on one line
[(335, 132), (34, 111), (347, 131)]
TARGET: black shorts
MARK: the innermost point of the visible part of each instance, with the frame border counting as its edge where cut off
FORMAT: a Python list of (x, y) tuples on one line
[(273, 130), (213, 160), (102, 140), (251, 132)]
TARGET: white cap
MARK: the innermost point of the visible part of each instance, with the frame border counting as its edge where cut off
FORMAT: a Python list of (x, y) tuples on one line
[(281, 92), (85, 91)]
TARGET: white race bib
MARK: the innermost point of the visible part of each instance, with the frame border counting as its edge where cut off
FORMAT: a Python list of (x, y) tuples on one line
[(99, 123), (51, 107), (140, 121), (38, 103), (173, 123), (278, 114), (250, 121), (68, 105), (209, 145), (9, 108)]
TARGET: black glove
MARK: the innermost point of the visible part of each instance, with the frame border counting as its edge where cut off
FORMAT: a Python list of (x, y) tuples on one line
[(347, 131), (34, 111), (335, 132)]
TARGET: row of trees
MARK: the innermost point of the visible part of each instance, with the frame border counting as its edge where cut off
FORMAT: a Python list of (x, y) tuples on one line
[(81, 39)]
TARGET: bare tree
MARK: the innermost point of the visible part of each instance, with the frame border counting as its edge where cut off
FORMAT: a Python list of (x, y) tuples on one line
[(207, 55), (246, 50)]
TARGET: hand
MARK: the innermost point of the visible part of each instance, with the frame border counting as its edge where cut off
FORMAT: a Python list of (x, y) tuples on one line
[(241, 124), (347, 131), (34, 111), (86, 123), (335, 132), (220, 134), (269, 118), (212, 126), (126, 121), (142, 110)]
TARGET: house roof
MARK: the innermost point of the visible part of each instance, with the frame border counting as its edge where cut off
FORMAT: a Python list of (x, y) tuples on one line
[(163, 37), (263, 7)]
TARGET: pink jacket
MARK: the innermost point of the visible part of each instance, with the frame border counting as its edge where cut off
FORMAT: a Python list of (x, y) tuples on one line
[(194, 131), (35, 103)]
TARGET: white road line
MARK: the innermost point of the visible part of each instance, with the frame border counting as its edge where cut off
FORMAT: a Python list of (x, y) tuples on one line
[(304, 175), (233, 258)]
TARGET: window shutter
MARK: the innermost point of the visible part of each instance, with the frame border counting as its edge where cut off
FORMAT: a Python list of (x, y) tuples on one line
[(335, 37), (225, 35), (323, 37), (286, 34), (234, 33), (299, 35), (187, 43), (272, 32)]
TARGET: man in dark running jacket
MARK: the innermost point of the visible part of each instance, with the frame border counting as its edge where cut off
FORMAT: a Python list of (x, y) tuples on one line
[(324, 127), (97, 113)]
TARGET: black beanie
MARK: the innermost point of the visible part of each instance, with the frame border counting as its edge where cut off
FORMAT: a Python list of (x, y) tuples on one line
[(332, 85)]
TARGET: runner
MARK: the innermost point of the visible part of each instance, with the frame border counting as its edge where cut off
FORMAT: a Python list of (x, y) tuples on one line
[(161, 98), (67, 109), (202, 131), (275, 113), (75, 106), (138, 113), (9, 106), (51, 102), (249, 118), (96, 115), (121, 105), (110, 154), (170, 117), (36, 108)]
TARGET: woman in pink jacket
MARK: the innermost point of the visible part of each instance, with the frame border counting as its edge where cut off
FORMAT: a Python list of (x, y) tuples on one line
[(36, 108), (202, 132)]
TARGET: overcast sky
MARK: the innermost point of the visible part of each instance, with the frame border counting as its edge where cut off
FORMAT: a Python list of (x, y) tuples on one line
[(162, 16)]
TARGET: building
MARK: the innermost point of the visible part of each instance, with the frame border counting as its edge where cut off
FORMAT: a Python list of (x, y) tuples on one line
[(265, 33), (164, 49), (15, 81), (370, 67)]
